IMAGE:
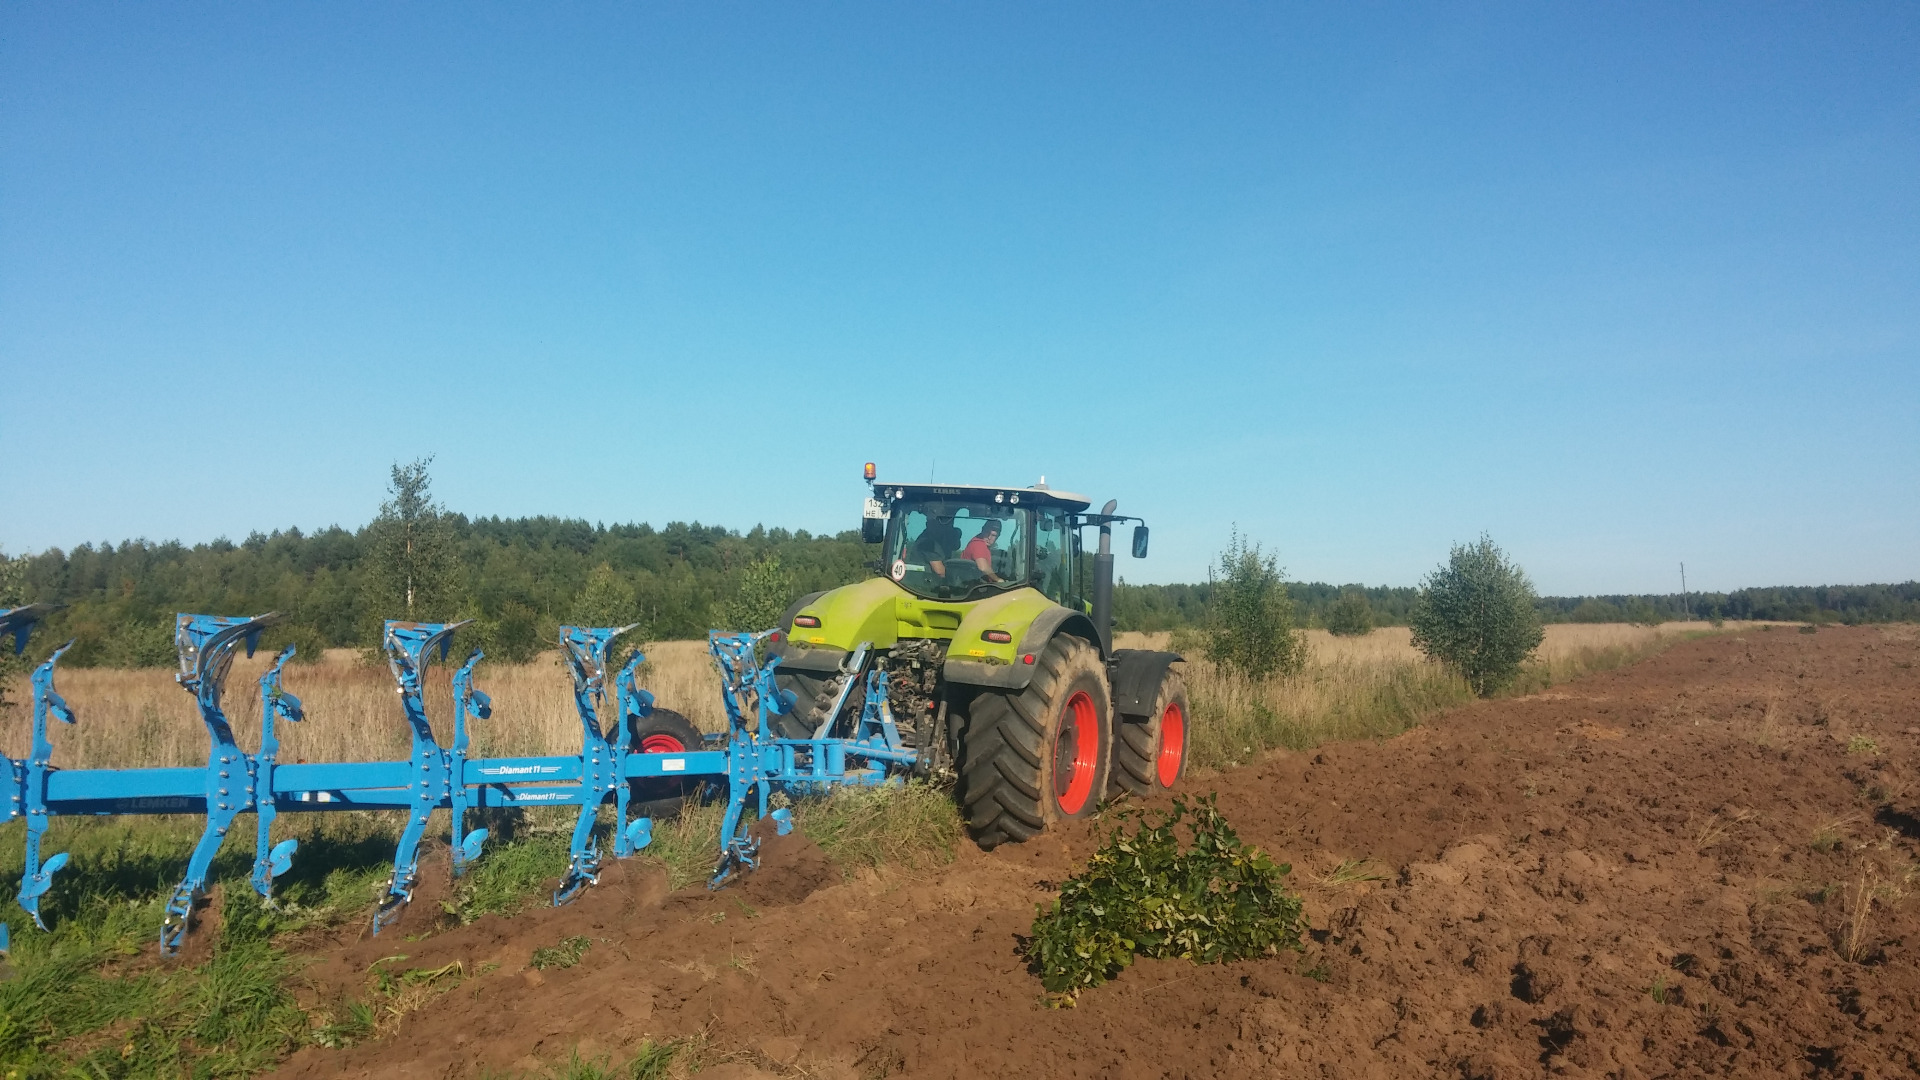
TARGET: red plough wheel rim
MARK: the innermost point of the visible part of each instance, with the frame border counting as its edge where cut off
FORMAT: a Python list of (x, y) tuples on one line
[(1173, 744), (1076, 753), (661, 744)]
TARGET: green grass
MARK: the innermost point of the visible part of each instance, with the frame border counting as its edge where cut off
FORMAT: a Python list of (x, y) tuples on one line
[(915, 826), (509, 876), (564, 955), (649, 1061), (80, 1004), (74, 1009), (1351, 872), (689, 845), (86, 999)]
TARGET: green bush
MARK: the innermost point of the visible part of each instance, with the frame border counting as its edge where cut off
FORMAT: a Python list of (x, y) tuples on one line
[(607, 600), (764, 593), (1350, 616), (309, 646), (1141, 895), (1476, 615), (1251, 627)]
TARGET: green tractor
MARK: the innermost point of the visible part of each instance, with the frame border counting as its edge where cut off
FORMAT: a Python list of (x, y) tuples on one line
[(995, 631)]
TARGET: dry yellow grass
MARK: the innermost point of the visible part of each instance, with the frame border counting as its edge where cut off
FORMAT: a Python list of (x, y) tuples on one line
[(1363, 687), (1393, 644), (141, 718), (1372, 686)]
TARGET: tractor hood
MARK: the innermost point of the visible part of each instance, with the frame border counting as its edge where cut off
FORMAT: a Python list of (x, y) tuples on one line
[(880, 612)]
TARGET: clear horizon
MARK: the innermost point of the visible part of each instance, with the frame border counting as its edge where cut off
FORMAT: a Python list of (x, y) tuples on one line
[(1622, 288)]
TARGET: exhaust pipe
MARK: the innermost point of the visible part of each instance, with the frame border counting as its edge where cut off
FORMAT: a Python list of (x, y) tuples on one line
[(1103, 581)]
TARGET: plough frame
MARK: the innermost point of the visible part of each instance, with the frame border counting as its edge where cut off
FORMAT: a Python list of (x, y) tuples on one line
[(748, 762)]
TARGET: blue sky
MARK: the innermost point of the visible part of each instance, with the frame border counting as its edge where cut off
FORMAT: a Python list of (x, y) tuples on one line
[(1622, 285)]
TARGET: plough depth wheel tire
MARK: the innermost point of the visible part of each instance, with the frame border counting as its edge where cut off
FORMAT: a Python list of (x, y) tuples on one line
[(1040, 755), (1150, 752), (663, 732)]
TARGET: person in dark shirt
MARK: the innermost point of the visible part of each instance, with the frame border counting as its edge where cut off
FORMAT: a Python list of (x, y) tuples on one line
[(937, 543)]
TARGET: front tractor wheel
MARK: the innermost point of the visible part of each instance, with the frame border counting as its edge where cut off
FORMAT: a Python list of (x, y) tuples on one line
[(1041, 755), (1151, 753)]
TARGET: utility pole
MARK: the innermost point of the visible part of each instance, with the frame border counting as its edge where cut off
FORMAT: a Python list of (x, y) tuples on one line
[(1684, 605)]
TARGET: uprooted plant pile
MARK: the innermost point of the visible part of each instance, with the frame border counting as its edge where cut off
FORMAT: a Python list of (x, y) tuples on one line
[(1142, 895)]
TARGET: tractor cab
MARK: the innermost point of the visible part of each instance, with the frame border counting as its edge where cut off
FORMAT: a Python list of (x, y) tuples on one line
[(963, 542)]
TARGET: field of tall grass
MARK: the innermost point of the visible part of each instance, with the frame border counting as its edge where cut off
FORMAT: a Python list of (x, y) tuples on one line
[(1372, 686), (140, 717)]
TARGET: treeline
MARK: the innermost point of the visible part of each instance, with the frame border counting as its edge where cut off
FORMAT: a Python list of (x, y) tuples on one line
[(1169, 607), (1849, 604), (520, 579), (1172, 607), (517, 579)]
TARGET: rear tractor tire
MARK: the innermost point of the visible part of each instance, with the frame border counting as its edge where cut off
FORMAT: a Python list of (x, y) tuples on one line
[(1039, 756), (1150, 752), (813, 692)]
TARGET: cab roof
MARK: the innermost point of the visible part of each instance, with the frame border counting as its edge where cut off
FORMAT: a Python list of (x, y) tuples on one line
[(1027, 496)]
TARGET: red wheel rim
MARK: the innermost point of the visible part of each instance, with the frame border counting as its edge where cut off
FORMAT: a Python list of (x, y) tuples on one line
[(1173, 744), (1076, 753), (662, 744)]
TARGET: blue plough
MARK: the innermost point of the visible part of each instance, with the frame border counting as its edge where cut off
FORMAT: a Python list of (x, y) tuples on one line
[(747, 763)]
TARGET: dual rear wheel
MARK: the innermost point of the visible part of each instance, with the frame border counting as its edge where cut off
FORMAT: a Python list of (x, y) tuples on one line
[(1049, 753), (1151, 750)]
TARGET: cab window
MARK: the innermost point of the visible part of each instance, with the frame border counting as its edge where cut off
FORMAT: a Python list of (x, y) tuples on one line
[(1052, 562), (934, 548)]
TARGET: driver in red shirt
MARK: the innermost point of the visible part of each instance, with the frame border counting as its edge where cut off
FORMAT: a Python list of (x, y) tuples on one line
[(980, 549)]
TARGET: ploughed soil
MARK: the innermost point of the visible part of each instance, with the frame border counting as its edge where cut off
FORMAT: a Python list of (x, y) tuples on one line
[(1702, 864)]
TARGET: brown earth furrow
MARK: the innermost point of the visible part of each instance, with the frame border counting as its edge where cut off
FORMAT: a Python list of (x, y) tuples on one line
[(1644, 873)]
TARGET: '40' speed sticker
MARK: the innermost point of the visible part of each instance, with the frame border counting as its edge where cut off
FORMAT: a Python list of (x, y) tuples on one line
[(899, 569)]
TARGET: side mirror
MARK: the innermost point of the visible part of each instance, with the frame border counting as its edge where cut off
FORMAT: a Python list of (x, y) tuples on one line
[(873, 530), (1139, 541)]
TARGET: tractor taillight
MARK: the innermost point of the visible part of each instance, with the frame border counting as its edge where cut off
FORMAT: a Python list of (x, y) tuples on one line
[(1027, 659), (999, 637), (810, 621)]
